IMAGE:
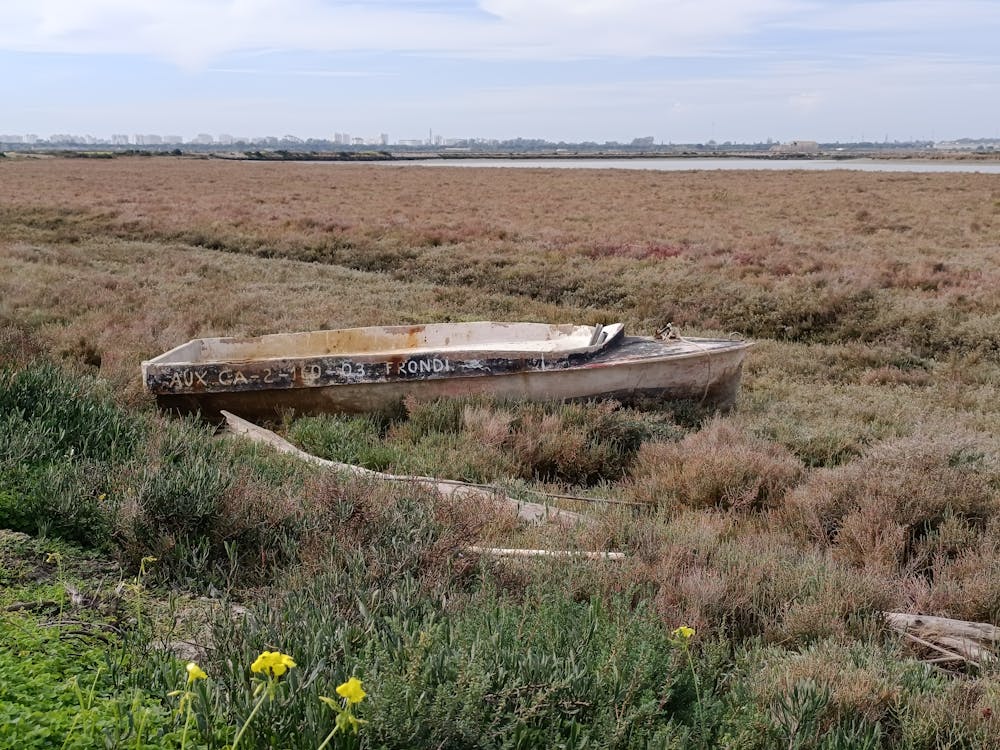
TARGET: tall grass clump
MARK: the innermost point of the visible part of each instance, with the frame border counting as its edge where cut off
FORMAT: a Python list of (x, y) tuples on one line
[(61, 439), (718, 466), (75, 465), (347, 439), (884, 508), (572, 443)]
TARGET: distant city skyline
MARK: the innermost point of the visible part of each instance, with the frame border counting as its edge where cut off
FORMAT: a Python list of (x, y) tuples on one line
[(682, 71), (382, 141)]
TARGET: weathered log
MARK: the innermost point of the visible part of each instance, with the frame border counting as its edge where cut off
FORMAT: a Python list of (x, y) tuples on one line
[(970, 641), (980, 631), (532, 512), (949, 656)]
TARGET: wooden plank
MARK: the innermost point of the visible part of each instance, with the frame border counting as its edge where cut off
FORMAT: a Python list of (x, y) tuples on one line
[(501, 552)]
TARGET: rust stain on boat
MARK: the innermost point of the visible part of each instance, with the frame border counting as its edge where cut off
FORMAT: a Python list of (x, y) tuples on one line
[(371, 368)]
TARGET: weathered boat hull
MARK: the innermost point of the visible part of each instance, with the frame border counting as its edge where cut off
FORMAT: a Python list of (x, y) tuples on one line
[(635, 368)]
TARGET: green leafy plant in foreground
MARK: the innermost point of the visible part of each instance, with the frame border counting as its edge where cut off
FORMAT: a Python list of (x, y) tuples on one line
[(57, 693)]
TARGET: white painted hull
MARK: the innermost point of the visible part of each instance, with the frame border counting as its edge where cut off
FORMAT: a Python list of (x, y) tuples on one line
[(632, 369)]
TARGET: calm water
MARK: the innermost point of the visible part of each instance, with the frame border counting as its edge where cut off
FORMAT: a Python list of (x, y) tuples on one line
[(699, 164)]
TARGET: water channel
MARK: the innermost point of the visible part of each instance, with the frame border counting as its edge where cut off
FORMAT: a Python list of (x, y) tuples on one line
[(709, 164)]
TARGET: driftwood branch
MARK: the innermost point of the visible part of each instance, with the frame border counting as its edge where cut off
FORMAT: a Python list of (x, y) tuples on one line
[(948, 655), (500, 552), (533, 512), (955, 639)]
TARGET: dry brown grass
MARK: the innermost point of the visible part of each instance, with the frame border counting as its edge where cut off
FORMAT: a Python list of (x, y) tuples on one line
[(860, 682), (718, 466), (793, 255), (859, 472), (916, 482)]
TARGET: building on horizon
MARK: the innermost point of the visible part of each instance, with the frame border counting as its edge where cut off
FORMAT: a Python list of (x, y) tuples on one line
[(796, 147)]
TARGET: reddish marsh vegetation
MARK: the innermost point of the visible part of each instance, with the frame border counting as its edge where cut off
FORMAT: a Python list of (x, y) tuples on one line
[(859, 472)]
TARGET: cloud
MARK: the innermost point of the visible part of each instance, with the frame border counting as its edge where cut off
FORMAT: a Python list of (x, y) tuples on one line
[(900, 16), (784, 101), (806, 101), (257, 72), (192, 33)]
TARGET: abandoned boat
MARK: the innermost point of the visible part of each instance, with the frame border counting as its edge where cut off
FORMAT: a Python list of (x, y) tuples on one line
[(370, 369)]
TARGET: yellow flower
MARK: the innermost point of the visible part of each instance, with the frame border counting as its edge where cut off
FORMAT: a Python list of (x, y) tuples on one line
[(352, 691), (683, 632), (195, 672), (273, 663)]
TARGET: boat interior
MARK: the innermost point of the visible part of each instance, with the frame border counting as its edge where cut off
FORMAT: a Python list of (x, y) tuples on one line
[(488, 338)]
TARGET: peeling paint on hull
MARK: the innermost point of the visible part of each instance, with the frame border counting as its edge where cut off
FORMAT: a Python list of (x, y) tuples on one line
[(626, 369)]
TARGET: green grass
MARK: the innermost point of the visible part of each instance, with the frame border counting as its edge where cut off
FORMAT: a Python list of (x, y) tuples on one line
[(58, 693), (479, 440), (62, 662), (355, 578)]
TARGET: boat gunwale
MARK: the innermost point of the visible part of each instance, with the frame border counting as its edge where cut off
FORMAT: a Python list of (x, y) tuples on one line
[(602, 358), (615, 333)]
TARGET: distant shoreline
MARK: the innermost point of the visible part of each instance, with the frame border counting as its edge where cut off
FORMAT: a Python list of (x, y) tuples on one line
[(282, 155), (612, 155)]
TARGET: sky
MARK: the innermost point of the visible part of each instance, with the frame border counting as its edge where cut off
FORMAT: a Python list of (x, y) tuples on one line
[(682, 71)]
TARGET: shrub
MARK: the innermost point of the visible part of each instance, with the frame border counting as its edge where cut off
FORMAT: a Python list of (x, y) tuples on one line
[(838, 689), (717, 571), (718, 466), (425, 418), (61, 438), (18, 347), (347, 439), (209, 511), (819, 313), (962, 558), (68, 415), (882, 508), (481, 440), (536, 671)]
